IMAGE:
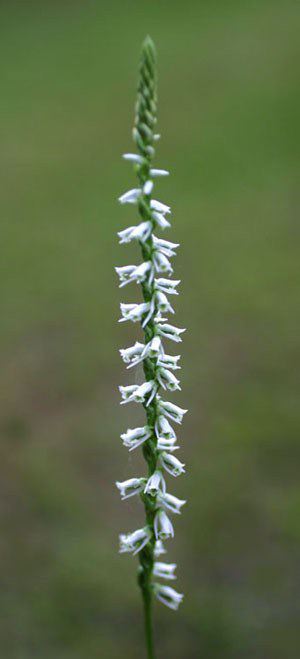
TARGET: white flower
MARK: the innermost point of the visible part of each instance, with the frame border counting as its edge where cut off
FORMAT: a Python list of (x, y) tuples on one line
[(161, 263), (127, 391), (169, 361), (167, 285), (167, 379), (163, 303), (133, 157), (171, 464), (134, 312), (134, 542), (139, 232), (159, 549), (164, 570), (170, 332), (130, 197), (160, 220), (139, 393), (155, 483), (153, 348), (163, 429), (128, 354), (148, 187), (165, 246), (130, 487), (156, 137), (166, 445), (135, 437), (166, 437), (159, 172), (138, 273), (147, 388), (170, 502), (133, 355), (174, 412), (168, 596), (163, 527), (159, 206)]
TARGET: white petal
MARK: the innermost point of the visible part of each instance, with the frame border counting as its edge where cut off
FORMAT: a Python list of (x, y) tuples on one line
[(159, 206), (168, 596), (133, 157), (171, 502), (164, 570), (160, 220), (130, 197), (171, 464), (159, 172), (148, 187)]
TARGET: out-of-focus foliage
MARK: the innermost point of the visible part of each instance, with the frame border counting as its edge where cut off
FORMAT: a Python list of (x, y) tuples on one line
[(228, 93)]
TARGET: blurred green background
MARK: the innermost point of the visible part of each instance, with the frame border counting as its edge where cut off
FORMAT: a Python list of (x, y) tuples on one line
[(228, 92)]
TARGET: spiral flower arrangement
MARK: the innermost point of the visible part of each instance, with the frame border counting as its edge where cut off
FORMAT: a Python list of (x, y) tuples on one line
[(157, 437)]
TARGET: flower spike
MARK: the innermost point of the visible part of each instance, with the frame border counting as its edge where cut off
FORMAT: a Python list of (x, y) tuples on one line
[(157, 437)]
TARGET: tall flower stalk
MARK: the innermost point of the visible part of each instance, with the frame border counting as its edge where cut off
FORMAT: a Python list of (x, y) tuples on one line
[(157, 437)]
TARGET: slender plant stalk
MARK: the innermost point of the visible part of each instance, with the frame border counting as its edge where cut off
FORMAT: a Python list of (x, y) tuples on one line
[(146, 116), (157, 437)]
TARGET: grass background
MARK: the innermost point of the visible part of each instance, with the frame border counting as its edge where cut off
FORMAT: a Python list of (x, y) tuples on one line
[(228, 92)]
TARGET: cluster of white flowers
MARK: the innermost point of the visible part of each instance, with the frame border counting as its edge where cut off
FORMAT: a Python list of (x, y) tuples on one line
[(157, 438), (159, 369)]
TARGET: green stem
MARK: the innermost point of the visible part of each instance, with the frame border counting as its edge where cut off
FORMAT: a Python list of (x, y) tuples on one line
[(144, 137), (147, 598), (144, 580)]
